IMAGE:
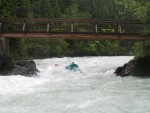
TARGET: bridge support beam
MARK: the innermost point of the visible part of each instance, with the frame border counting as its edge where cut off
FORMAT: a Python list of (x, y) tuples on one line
[(4, 46), (147, 47)]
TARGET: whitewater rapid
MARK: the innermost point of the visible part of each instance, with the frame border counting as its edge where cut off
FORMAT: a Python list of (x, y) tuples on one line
[(93, 89)]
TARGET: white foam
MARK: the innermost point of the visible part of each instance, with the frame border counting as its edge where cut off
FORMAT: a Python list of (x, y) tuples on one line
[(93, 90)]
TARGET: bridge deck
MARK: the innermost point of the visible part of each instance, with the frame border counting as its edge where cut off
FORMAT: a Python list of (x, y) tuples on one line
[(82, 36), (74, 29)]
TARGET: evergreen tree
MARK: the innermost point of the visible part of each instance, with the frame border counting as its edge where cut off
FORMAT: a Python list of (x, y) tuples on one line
[(6, 8)]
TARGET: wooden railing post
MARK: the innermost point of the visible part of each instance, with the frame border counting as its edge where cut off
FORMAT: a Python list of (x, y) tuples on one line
[(119, 28), (0, 27), (72, 26), (96, 30), (48, 27), (24, 25)]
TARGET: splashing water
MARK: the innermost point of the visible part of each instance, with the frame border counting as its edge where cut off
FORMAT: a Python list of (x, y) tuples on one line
[(93, 89)]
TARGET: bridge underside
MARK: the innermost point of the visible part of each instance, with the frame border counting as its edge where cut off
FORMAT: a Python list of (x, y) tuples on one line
[(84, 36)]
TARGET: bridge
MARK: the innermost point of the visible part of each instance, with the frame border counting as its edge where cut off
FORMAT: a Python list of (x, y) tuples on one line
[(73, 29), (83, 29)]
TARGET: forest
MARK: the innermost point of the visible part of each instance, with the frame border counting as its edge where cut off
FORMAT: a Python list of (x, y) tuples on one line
[(26, 48)]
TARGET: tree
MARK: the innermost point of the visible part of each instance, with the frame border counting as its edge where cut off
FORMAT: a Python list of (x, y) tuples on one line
[(21, 8), (74, 12), (6, 8), (137, 9), (137, 49), (18, 49)]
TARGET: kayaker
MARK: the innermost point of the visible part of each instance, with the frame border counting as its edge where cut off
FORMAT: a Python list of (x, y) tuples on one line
[(72, 66)]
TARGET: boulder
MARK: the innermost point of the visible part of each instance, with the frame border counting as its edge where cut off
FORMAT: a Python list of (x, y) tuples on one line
[(24, 68), (136, 67)]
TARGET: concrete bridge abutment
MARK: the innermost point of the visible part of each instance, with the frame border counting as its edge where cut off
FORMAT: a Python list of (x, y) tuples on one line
[(4, 46)]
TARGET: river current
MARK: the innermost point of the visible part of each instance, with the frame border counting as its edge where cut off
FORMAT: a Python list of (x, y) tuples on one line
[(93, 89)]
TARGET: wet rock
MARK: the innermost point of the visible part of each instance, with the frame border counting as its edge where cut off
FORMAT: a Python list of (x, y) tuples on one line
[(24, 68), (28, 68), (18, 70), (136, 67)]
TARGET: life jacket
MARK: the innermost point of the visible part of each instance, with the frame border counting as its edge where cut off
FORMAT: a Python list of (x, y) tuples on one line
[(73, 67)]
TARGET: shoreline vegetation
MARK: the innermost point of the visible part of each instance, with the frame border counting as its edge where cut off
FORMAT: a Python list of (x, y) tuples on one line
[(24, 49)]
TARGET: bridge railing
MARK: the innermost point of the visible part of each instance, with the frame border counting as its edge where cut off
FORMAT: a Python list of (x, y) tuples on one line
[(70, 26)]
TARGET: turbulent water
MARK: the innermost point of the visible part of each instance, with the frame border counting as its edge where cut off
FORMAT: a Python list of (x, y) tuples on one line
[(93, 89)]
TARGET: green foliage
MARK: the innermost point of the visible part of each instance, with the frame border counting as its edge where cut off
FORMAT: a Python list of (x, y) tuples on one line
[(58, 47), (136, 9), (21, 8), (43, 48), (108, 48), (37, 48), (45, 9), (99, 9), (78, 9), (74, 12), (86, 48), (18, 49), (6, 8), (137, 49)]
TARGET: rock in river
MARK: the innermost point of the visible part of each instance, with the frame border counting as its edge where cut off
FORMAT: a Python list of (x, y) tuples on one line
[(24, 68), (137, 67)]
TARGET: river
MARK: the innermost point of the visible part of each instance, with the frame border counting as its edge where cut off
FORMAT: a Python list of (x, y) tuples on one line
[(94, 89)]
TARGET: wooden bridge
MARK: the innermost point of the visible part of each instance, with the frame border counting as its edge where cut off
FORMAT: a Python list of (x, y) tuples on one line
[(90, 29)]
